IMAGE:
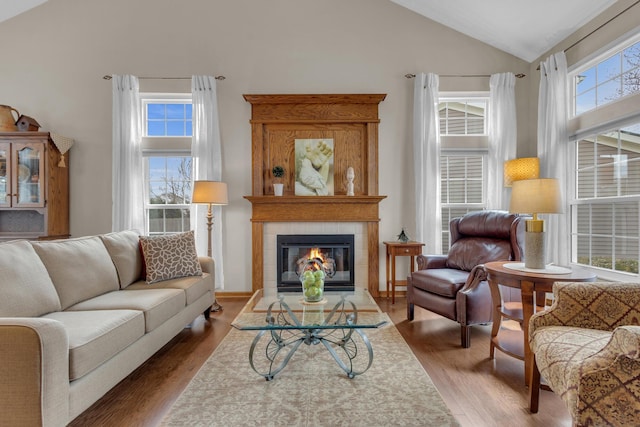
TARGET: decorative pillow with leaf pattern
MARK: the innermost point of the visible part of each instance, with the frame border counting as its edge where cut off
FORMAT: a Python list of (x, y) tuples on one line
[(170, 257)]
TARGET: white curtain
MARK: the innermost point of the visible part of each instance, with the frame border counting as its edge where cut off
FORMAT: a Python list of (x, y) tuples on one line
[(127, 182), (502, 136), (207, 165), (426, 155), (553, 150)]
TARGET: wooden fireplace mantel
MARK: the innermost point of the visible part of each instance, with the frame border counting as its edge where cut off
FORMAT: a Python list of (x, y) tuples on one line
[(351, 121), (315, 209)]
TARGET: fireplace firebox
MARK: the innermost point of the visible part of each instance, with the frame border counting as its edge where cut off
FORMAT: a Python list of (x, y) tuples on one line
[(334, 251)]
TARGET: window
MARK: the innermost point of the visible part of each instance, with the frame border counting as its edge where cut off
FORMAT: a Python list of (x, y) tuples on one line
[(606, 211), (168, 162), (605, 200), (463, 156), (462, 188), (460, 116), (610, 78), (168, 187), (163, 118)]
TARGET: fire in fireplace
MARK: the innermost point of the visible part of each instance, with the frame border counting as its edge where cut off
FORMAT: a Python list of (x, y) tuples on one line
[(335, 252)]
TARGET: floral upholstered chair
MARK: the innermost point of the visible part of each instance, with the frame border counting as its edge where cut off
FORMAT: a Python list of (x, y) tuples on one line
[(587, 347)]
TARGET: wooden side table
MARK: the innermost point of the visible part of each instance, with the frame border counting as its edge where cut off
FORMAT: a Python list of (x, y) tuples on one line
[(516, 343), (394, 249)]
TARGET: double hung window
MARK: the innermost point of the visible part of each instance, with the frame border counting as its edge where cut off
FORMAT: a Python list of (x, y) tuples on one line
[(463, 156), (167, 162), (605, 200)]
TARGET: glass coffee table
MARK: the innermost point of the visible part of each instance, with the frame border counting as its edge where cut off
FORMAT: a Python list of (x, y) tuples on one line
[(284, 321)]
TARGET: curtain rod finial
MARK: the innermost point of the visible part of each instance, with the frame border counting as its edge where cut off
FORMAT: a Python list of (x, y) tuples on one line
[(410, 76), (520, 75), (107, 77)]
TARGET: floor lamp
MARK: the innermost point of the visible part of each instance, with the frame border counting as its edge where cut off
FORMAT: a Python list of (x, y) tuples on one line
[(210, 193)]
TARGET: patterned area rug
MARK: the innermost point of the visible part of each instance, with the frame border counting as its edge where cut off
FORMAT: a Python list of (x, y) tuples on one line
[(312, 390)]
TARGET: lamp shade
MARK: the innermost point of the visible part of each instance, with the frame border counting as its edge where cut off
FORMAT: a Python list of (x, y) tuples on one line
[(519, 169), (535, 196), (214, 192)]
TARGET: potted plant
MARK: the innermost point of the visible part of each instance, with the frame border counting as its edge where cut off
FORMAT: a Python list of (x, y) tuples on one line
[(278, 172)]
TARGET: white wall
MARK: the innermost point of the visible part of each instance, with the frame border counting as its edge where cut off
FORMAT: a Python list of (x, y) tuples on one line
[(55, 55)]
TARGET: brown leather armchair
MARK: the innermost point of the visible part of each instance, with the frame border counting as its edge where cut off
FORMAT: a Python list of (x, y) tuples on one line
[(454, 285)]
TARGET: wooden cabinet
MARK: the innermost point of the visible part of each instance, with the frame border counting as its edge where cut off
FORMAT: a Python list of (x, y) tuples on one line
[(34, 190)]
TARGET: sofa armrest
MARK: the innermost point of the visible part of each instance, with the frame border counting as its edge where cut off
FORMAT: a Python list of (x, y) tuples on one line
[(207, 264), (596, 305), (615, 370), (34, 373), (431, 261)]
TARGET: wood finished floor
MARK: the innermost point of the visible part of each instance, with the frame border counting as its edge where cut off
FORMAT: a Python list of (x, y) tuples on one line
[(479, 391)]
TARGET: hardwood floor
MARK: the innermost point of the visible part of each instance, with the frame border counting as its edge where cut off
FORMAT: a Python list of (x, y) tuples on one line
[(479, 391)]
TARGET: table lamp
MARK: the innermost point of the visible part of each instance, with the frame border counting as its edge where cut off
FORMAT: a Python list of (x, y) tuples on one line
[(519, 169), (535, 196), (210, 193)]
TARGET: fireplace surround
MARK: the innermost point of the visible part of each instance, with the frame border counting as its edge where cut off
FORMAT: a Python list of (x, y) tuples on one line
[(351, 121)]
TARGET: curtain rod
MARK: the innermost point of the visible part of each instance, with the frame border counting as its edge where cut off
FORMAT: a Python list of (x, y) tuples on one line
[(519, 75), (601, 25), (109, 77)]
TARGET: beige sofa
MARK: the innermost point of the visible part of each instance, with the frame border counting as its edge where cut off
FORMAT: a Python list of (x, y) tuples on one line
[(76, 319)]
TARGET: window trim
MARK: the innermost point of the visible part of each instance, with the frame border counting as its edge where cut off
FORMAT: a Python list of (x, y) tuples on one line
[(162, 146)]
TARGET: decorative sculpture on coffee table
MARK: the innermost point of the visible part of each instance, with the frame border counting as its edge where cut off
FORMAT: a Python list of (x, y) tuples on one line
[(312, 279)]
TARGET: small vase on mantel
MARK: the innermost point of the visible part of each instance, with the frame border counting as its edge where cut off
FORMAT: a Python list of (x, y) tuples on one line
[(278, 188)]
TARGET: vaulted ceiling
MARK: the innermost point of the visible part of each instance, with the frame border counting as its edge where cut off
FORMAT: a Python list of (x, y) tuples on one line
[(523, 28)]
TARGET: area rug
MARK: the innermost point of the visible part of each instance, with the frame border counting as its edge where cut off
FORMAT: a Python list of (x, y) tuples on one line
[(312, 390)]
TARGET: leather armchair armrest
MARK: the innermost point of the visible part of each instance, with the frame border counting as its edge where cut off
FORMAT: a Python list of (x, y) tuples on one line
[(34, 373), (474, 299), (431, 261)]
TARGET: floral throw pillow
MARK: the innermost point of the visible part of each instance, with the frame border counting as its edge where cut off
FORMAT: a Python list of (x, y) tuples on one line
[(169, 257)]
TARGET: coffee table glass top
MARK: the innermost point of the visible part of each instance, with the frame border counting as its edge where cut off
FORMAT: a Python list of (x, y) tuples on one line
[(271, 310)]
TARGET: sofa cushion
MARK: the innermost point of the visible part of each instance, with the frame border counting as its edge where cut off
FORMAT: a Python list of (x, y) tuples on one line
[(97, 336), (79, 268), (158, 305), (468, 252), (124, 249), (193, 286), (442, 281), (27, 289), (168, 257)]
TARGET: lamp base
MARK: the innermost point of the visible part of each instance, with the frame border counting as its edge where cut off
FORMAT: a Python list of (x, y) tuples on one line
[(534, 250), (216, 306)]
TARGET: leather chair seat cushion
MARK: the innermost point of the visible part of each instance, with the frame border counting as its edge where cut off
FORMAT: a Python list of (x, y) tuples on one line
[(468, 252), (441, 281)]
